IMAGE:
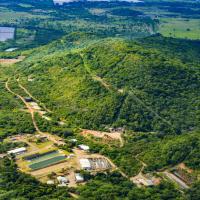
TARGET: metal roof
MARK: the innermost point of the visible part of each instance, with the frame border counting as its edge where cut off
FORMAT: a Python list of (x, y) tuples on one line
[(85, 163), (79, 177), (84, 147), (18, 150)]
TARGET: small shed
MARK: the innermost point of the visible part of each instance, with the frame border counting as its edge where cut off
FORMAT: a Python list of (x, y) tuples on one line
[(84, 147), (62, 185), (50, 182), (2, 155), (146, 182), (79, 178)]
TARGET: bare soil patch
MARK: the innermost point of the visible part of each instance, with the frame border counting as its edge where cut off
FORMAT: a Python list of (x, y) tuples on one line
[(11, 61), (106, 136)]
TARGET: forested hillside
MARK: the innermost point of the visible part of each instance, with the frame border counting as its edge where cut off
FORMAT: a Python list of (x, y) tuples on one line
[(145, 85), (99, 100), (12, 118)]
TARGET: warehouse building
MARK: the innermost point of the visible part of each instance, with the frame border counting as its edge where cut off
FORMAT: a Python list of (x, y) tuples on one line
[(17, 151)]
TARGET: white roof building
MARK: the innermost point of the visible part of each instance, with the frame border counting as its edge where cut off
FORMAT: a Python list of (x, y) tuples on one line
[(79, 178), (85, 164), (62, 179), (84, 147), (50, 182), (17, 151), (11, 49)]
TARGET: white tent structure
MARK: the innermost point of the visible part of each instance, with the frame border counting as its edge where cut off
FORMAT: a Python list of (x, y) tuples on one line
[(85, 164)]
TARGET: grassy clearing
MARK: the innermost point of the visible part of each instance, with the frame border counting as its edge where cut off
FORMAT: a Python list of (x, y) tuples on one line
[(180, 28)]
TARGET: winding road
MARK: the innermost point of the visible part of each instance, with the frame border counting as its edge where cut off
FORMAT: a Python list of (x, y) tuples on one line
[(31, 111)]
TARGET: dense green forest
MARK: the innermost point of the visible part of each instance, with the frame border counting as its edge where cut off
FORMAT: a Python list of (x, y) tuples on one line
[(139, 85), (145, 86), (15, 185)]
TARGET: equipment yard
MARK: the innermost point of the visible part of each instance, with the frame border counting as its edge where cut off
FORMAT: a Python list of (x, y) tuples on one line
[(45, 156), (42, 152)]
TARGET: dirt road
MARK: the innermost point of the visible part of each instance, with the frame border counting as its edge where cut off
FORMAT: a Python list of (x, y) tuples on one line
[(30, 95), (105, 135), (175, 179), (31, 111)]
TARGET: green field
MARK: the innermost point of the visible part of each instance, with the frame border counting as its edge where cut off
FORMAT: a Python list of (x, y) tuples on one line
[(180, 28), (46, 163)]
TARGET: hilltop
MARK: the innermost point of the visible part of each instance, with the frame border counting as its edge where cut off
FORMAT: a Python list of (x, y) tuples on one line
[(146, 85)]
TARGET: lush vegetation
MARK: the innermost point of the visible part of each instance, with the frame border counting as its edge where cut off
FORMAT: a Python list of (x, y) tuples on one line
[(6, 146), (114, 186), (87, 69), (13, 118), (39, 22), (16, 185), (144, 85)]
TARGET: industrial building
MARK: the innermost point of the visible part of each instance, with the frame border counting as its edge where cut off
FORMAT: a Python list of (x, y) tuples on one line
[(17, 151)]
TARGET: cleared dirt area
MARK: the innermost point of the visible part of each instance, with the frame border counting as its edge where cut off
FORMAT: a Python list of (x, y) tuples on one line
[(106, 136), (11, 61), (184, 167)]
